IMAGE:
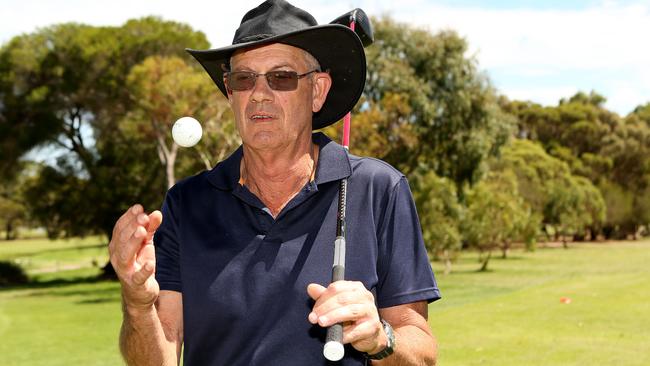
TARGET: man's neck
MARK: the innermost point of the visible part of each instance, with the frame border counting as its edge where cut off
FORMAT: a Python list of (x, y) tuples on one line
[(276, 176)]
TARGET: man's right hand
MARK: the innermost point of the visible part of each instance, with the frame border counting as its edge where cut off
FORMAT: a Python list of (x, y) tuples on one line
[(133, 257)]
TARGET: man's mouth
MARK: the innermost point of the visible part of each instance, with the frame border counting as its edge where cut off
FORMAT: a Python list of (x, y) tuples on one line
[(261, 117)]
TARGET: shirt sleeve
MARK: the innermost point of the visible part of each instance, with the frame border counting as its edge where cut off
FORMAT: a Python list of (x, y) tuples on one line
[(404, 270), (167, 248)]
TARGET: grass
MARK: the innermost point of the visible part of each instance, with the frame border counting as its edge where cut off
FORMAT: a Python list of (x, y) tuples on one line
[(510, 315), (64, 317), (513, 315)]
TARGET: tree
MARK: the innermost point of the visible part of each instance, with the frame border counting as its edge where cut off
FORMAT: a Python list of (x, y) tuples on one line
[(497, 215), (166, 88), (564, 201), (13, 210), (425, 104), (439, 213), (613, 153), (42, 88), (641, 112), (12, 214)]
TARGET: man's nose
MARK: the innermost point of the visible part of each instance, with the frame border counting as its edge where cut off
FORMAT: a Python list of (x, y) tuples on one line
[(261, 91)]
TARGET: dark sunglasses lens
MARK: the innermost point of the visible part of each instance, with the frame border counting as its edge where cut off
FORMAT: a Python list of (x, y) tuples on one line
[(241, 80), (282, 80), (277, 80)]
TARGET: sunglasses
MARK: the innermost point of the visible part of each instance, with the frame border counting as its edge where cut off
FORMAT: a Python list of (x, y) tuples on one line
[(277, 80)]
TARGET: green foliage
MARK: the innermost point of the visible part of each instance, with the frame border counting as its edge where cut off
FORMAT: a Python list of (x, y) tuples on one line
[(12, 212), (439, 213), (642, 113), (620, 209), (11, 274), (425, 104), (166, 88), (497, 215), (70, 78), (570, 203), (614, 154)]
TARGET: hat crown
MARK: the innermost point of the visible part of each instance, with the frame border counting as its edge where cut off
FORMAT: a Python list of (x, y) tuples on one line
[(272, 18)]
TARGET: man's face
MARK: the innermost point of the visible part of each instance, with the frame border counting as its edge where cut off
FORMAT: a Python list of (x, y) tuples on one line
[(271, 119)]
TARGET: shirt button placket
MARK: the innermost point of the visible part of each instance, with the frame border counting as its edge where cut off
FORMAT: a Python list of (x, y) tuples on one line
[(265, 220)]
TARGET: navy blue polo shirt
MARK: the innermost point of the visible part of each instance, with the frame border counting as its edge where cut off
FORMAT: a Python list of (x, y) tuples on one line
[(244, 275)]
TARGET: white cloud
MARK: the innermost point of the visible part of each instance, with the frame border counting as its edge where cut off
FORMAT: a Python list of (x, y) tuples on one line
[(543, 45)]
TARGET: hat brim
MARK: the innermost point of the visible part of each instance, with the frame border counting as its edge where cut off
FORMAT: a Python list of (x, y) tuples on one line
[(337, 48)]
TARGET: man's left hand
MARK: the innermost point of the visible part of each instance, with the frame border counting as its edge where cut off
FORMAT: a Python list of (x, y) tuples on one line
[(352, 305)]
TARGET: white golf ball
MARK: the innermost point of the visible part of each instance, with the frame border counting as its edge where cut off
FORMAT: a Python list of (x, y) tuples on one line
[(187, 131)]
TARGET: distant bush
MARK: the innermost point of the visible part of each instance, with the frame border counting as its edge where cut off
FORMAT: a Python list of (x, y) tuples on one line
[(11, 274)]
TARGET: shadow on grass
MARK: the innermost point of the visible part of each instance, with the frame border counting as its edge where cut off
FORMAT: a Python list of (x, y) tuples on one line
[(466, 271), (63, 249), (104, 300), (65, 288), (57, 282), (509, 258)]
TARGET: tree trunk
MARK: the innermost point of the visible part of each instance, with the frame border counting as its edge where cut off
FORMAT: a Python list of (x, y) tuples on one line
[(484, 265), (9, 230), (205, 159), (447, 261), (167, 156), (169, 169), (504, 250)]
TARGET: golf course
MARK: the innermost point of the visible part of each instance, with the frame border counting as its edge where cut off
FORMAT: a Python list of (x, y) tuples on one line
[(586, 305)]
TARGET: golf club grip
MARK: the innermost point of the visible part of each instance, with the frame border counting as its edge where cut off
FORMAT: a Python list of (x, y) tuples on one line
[(333, 349), (334, 334)]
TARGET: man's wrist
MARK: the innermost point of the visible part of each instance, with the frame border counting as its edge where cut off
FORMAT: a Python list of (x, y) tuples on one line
[(387, 348), (137, 311)]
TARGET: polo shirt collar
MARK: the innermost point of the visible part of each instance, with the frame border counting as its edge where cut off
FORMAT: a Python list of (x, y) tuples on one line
[(333, 165)]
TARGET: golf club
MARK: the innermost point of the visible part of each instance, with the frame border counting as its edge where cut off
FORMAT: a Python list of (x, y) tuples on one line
[(333, 350), (359, 22)]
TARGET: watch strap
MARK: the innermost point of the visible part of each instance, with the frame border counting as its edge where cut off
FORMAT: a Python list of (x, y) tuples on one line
[(390, 345)]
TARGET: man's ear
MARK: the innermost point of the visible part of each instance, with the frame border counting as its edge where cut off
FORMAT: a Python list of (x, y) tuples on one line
[(321, 86), (228, 90)]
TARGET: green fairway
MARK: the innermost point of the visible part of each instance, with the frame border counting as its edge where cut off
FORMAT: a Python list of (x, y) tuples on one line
[(65, 317), (511, 315)]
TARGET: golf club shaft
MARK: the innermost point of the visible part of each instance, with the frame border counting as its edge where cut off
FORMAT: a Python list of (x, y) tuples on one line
[(334, 338), (348, 117)]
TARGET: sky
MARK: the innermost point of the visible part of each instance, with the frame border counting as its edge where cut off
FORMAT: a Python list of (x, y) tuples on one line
[(531, 50)]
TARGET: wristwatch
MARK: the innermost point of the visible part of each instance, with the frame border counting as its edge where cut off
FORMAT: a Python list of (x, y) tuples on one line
[(390, 346)]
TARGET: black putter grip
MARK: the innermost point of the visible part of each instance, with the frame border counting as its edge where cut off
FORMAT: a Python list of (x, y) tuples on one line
[(334, 333), (333, 349)]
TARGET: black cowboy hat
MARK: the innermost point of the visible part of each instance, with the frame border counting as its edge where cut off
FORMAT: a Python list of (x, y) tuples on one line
[(336, 47)]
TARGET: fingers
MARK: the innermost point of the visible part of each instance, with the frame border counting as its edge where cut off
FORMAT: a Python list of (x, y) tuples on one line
[(342, 301), (133, 229), (364, 334), (141, 275), (147, 255), (315, 290), (351, 304), (155, 219)]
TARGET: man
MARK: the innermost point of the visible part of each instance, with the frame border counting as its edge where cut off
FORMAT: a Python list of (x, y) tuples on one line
[(242, 260)]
